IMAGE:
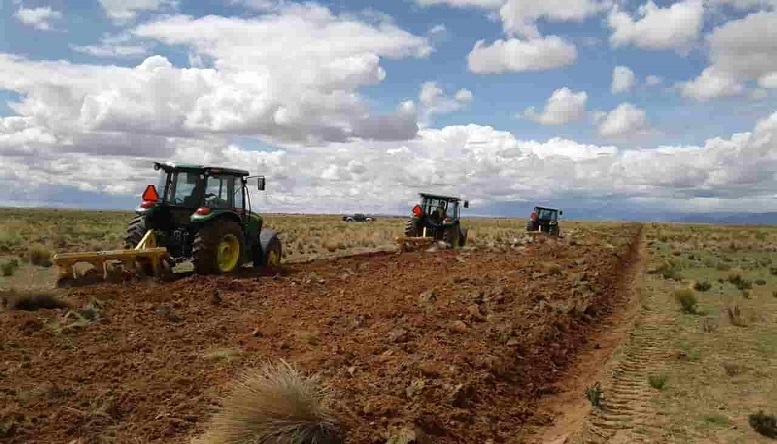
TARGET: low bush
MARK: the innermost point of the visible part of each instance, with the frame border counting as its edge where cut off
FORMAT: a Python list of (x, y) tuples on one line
[(9, 267), (764, 424), (735, 316), (275, 404), (687, 300), (702, 286), (595, 395), (32, 300), (39, 255), (740, 282), (658, 382)]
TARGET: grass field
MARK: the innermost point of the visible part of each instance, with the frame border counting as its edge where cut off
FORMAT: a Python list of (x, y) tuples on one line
[(702, 357)]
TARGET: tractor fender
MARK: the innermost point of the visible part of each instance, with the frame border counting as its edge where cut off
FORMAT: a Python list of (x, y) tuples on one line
[(215, 214), (265, 236)]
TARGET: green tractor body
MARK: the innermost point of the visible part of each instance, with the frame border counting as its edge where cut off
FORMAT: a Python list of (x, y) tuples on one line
[(438, 217), (544, 220), (203, 214)]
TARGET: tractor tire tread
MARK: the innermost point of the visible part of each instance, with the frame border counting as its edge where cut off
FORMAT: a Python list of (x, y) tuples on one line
[(411, 229), (136, 229)]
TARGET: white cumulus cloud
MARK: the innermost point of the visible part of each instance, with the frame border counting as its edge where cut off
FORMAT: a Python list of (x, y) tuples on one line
[(622, 79), (122, 11), (521, 55), (563, 106), (625, 120), (675, 26), (39, 18)]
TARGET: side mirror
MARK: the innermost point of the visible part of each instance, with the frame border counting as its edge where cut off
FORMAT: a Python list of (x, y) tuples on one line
[(560, 213), (260, 181), (466, 204)]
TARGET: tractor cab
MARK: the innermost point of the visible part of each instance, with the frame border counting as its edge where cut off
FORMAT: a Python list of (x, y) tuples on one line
[(438, 218), (544, 220)]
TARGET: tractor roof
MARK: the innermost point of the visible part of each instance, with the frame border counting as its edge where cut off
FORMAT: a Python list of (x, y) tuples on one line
[(546, 208), (437, 196), (192, 167)]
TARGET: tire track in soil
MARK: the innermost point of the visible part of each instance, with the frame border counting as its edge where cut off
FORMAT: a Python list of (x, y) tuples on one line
[(627, 414)]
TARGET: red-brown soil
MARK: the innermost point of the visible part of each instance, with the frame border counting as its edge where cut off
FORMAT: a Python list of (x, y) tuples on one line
[(457, 345)]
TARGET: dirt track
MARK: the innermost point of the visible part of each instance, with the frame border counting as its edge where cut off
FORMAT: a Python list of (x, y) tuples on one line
[(380, 329)]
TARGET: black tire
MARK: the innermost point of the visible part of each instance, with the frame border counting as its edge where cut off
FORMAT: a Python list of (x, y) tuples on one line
[(206, 242), (136, 229), (554, 230), (350, 219), (463, 237), (452, 236), (411, 229), (531, 225)]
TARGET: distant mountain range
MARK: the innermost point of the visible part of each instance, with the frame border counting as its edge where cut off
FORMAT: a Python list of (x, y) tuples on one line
[(729, 218)]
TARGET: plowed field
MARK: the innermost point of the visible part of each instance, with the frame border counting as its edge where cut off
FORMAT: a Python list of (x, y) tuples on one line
[(457, 345)]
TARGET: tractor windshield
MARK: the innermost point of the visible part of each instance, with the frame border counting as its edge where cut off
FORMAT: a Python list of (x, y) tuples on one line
[(224, 192), (183, 188), (546, 214)]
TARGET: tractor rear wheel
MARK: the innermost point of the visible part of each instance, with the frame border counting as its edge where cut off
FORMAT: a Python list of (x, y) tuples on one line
[(218, 248), (411, 229), (452, 236), (531, 225), (136, 229)]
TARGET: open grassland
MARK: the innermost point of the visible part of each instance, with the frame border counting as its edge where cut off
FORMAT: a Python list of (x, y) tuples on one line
[(702, 360)]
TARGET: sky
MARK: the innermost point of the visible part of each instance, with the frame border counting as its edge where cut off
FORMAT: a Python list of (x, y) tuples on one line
[(595, 106)]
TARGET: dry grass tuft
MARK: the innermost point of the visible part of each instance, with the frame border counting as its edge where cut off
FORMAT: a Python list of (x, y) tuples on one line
[(31, 300), (687, 300), (273, 405), (39, 255)]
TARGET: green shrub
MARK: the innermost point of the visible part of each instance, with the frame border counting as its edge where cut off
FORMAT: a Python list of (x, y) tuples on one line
[(32, 300), (39, 255), (658, 381), (9, 267), (740, 282), (702, 286), (687, 300), (595, 394), (773, 271), (764, 424), (760, 282)]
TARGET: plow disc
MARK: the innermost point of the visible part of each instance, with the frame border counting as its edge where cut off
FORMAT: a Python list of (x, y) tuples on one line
[(406, 243), (146, 259)]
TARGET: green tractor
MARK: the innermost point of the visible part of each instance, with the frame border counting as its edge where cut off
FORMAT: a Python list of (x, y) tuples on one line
[(544, 220), (203, 214), (436, 218)]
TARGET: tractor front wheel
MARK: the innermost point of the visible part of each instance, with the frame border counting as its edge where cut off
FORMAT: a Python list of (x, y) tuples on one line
[(531, 225), (218, 248)]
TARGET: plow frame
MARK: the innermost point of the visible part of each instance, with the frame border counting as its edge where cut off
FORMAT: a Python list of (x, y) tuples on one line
[(146, 252), (407, 243)]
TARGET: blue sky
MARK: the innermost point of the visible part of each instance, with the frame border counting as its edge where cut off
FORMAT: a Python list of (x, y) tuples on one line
[(357, 105)]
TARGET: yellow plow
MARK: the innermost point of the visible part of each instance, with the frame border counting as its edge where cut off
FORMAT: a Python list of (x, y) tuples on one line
[(407, 243), (145, 259)]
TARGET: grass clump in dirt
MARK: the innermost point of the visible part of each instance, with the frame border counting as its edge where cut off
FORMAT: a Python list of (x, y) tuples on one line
[(702, 286), (735, 316), (39, 255), (9, 267), (31, 300), (764, 424), (740, 282), (658, 382), (595, 395), (689, 304), (275, 404)]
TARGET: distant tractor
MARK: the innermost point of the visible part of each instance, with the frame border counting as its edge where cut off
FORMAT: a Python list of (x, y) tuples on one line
[(197, 213), (544, 220), (358, 217), (435, 218)]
